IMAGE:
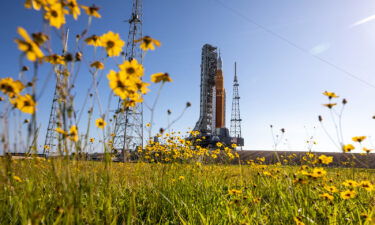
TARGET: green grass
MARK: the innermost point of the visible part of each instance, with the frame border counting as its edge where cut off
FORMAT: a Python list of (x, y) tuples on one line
[(80, 192)]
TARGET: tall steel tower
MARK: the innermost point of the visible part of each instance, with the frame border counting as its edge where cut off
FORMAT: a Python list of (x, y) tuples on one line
[(128, 131), (235, 122), (206, 121), (51, 137), (55, 117)]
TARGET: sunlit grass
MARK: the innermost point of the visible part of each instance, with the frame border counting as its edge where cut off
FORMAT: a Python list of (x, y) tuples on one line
[(81, 192)]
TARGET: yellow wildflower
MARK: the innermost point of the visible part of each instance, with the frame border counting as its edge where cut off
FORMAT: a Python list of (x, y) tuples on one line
[(267, 173), (92, 140), (367, 218), (160, 77), (234, 192), (39, 38), (298, 221), (61, 131), (325, 159), (327, 196), (330, 105), (112, 43), (132, 68), (35, 4), (132, 102), (318, 172), (92, 11), (118, 84), (261, 159), (256, 200), (331, 189), (100, 123), (25, 103), (98, 65), (73, 8), (367, 185), (55, 14), (367, 150), (148, 43), (142, 87), (73, 133), (350, 183), (330, 95), (348, 194), (11, 87), (55, 59), (359, 139), (348, 148), (28, 46), (17, 178), (93, 40)]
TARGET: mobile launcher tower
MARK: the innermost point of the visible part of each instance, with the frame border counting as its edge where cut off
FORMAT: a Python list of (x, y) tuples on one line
[(211, 122)]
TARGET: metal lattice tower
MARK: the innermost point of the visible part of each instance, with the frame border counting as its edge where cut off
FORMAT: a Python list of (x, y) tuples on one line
[(128, 131), (51, 141), (235, 122), (51, 136), (205, 122)]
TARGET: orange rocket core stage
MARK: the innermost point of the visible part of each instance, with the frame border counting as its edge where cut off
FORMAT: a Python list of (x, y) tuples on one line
[(220, 99)]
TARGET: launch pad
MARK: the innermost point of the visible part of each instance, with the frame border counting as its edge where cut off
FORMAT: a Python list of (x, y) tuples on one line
[(211, 122)]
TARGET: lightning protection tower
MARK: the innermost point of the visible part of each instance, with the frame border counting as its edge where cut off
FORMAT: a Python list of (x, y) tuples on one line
[(128, 130), (235, 122)]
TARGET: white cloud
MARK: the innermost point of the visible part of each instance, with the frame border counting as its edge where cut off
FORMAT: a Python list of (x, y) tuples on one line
[(320, 48), (363, 21)]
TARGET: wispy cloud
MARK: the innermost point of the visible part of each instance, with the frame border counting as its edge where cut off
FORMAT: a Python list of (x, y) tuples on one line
[(320, 48), (363, 21)]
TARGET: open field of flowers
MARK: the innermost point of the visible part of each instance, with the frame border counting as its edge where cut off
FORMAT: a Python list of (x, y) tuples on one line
[(173, 180), (56, 191)]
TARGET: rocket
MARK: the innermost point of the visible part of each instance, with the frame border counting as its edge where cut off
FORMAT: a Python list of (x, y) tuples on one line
[(220, 96)]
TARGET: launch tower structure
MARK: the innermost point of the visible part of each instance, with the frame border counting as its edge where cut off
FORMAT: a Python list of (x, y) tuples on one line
[(128, 130), (235, 122), (206, 122), (211, 122)]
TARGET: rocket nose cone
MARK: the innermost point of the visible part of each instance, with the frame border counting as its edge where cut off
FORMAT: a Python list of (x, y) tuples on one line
[(219, 63)]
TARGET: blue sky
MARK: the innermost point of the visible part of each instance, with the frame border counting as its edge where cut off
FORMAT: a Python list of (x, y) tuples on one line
[(280, 84)]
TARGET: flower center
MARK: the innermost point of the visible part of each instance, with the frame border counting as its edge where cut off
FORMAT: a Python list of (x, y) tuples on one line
[(120, 84), (147, 41), (26, 103), (7, 88), (130, 70), (54, 13), (110, 44)]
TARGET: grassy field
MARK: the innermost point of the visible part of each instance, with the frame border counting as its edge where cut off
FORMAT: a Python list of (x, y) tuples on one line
[(39, 191), (361, 160)]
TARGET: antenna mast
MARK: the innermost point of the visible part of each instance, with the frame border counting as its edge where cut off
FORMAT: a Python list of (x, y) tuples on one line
[(128, 130)]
